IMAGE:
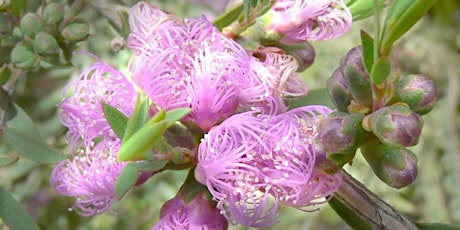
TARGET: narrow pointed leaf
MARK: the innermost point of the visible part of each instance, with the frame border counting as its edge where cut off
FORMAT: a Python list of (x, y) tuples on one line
[(33, 148), (127, 179), (176, 114), (368, 50), (117, 120), (351, 218), (18, 119), (229, 17), (150, 166), (13, 214), (138, 118), (135, 147), (5, 161), (402, 15)]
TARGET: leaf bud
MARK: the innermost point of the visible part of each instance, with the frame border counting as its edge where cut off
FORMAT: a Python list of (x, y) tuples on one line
[(75, 32), (23, 57), (416, 90), (45, 44), (357, 77), (53, 13), (396, 125), (341, 132), (395, 166), (338, 90), (31, 24)]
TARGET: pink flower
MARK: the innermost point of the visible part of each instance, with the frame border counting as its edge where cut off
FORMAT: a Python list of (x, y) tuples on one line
[(252, 162), (82, 113), (199, 213), (196, 68), (272, 80), (301, 20), (90, 176)]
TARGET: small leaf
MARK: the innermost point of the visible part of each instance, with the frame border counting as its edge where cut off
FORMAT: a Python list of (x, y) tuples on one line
[(135, 147), (176, 114), (351, 218), (127, 179), (32, 147), (117, 120), (17, 118), (402, 15), (228, 17), (314, 97), (381, 70), (13, 214), (437, 226), (150, 166), (5, 161), (138, 118), (368, 50)]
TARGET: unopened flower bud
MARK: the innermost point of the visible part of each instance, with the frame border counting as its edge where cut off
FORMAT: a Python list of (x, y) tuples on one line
[(395, 166), (45, 44), (396, 125), (23, 57), (341, 132), (357, 77), (338, 89), (75, 32), (53, 13), (5, 73), (76, 7), (31, 24), (416, 90)]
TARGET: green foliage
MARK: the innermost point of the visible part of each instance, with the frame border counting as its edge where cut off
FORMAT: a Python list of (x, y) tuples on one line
[(126, 180), (13, 214)]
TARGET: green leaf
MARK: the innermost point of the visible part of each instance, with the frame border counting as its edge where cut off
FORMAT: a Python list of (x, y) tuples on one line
[(150, 166), (138, 118), (437, 226), (367, 43), (127, 179), (17, 118), (402, 15), (176, 114), (13, 214), (381, 70), (117, 120), (314, 97), (32, 147), (5, 161), (246, 8), (351, 218), (228, 17), (141, 141), (361, 9)]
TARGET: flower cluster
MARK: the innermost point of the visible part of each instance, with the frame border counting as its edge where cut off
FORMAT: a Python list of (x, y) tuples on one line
[(252, 162), (189, 63), (255, 154)]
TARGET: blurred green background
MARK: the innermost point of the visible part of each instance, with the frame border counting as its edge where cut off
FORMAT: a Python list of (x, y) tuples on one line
[(432, 47)]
